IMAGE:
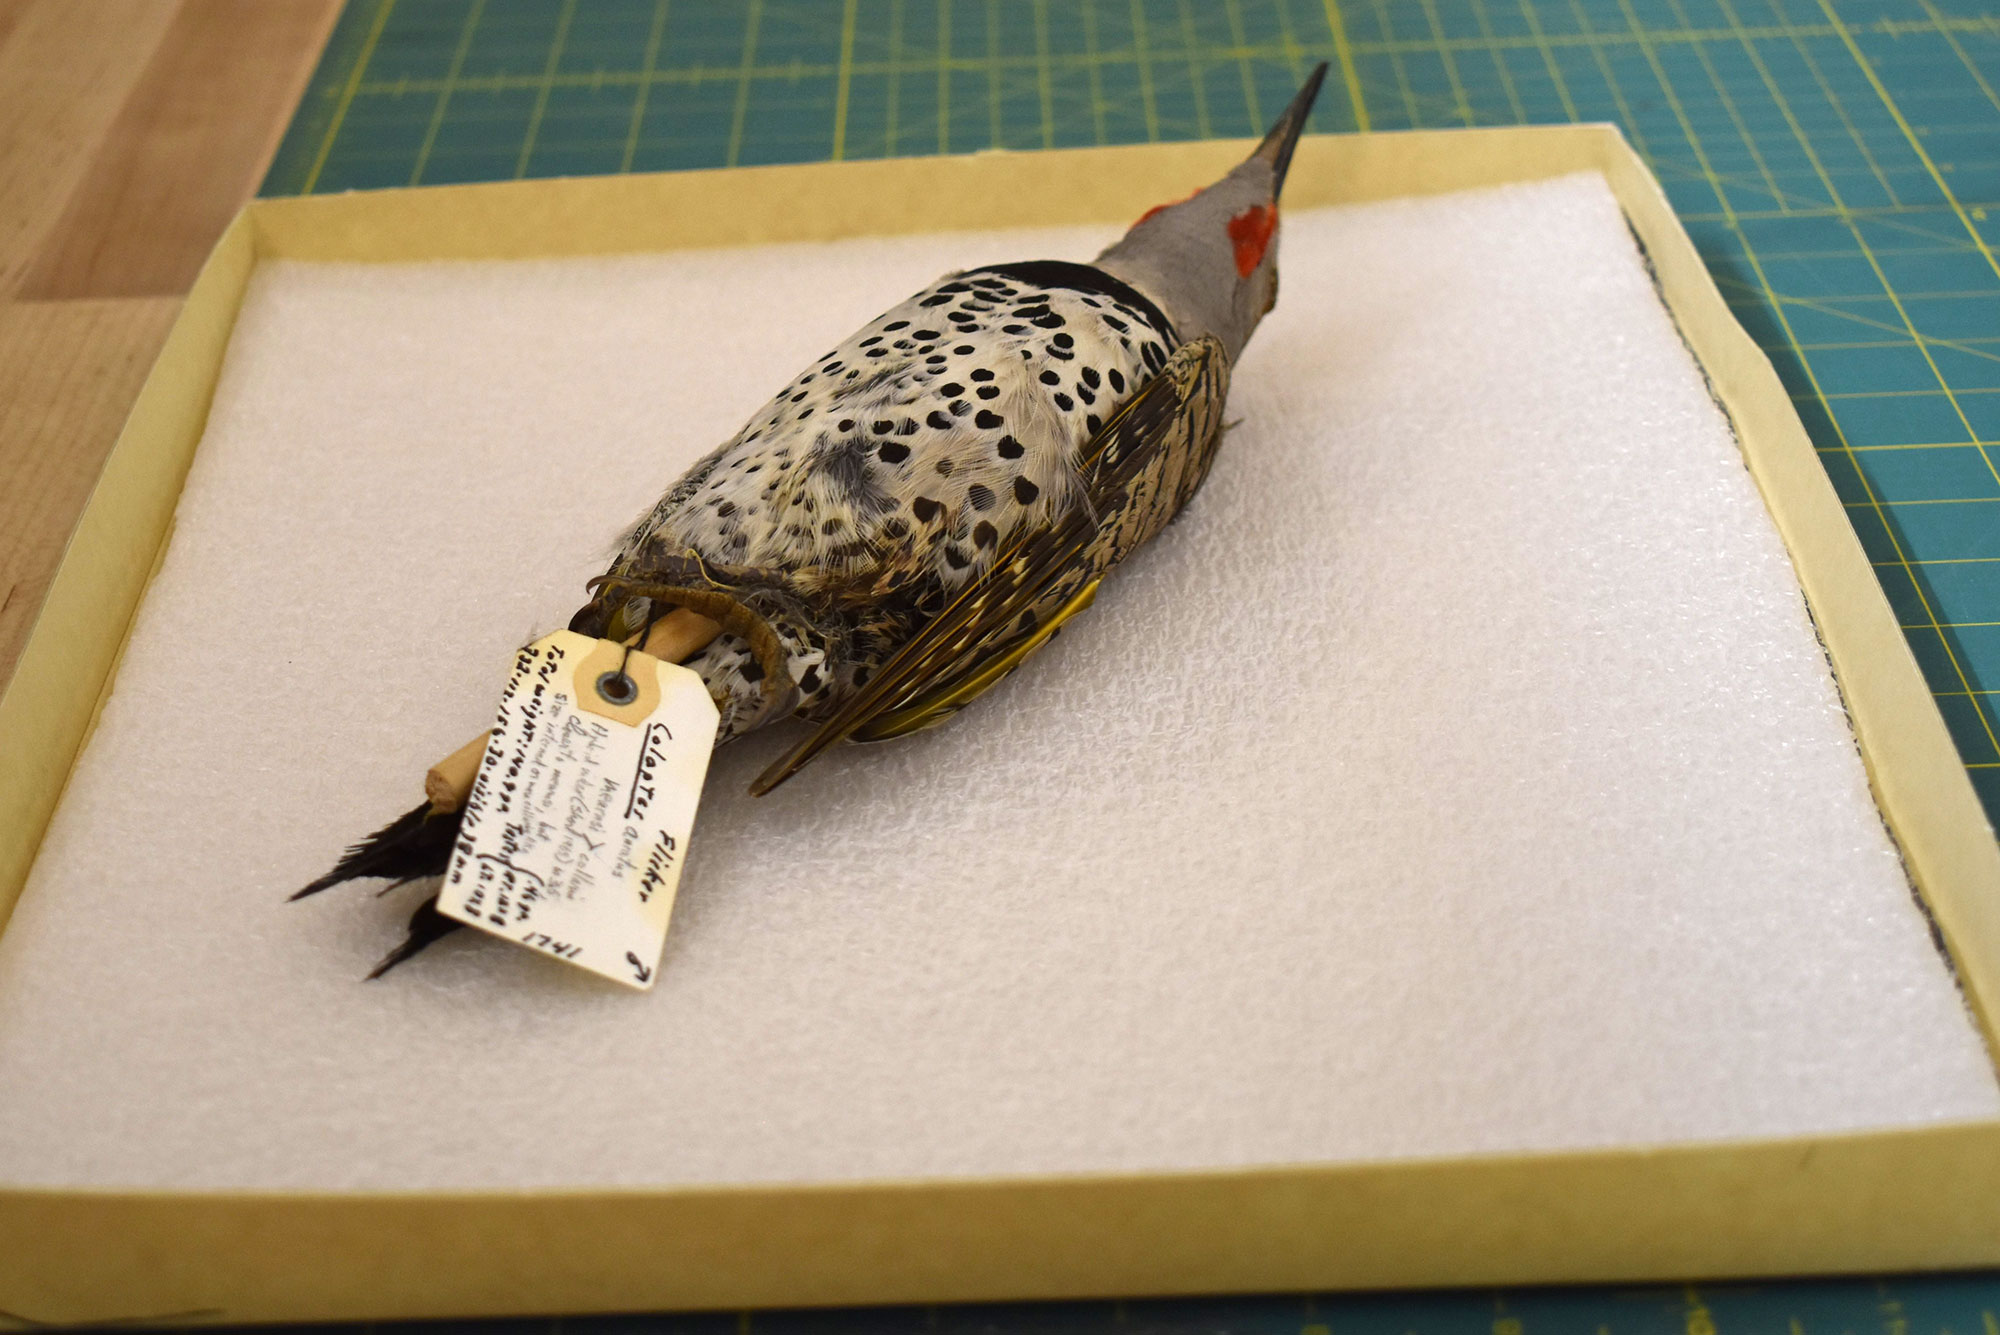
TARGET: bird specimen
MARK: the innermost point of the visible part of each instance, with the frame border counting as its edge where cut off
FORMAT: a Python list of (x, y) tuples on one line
[(922, 508)]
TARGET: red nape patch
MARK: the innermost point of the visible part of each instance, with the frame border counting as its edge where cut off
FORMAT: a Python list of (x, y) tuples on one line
[(1250, 232), (1162, 208)]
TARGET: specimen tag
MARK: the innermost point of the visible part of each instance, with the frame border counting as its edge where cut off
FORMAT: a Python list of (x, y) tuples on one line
[(577, 824)]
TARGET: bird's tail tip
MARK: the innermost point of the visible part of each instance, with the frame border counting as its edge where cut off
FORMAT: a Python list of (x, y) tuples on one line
[(406, 847), (426, 926)]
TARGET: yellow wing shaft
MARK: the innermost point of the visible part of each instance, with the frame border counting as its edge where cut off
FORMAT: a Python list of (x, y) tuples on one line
[(930, 710)]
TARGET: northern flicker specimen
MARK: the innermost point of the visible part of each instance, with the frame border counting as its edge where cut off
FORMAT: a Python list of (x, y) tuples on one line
[(923, 507)]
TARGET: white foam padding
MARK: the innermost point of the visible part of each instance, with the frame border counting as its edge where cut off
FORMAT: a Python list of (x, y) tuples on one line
[(1461, 773)]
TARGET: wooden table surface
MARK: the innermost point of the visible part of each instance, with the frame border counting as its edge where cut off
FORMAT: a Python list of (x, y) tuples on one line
[(130, 133)]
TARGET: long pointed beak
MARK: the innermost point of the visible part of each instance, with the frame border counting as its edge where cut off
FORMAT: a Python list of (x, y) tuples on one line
[(1284, 136)]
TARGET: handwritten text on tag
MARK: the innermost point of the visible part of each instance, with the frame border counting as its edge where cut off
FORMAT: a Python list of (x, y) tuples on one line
[(578, 822)]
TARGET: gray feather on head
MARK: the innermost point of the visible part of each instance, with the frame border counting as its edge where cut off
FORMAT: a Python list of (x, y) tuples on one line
[(1210, 262)]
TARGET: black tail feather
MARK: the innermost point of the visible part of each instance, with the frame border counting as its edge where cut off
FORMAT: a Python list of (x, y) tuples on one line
[(426, 925), (414, 845)]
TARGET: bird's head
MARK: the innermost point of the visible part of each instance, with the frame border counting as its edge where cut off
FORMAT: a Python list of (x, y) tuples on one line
[(1210, 261)]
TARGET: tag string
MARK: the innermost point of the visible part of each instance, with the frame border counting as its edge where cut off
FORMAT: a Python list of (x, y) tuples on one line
[(653, 614)]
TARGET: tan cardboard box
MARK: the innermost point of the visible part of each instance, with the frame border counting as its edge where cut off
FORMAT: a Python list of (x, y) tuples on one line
[(1894, 1200)]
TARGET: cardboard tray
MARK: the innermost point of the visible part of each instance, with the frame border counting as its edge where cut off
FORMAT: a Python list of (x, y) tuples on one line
[(1897, 1200)]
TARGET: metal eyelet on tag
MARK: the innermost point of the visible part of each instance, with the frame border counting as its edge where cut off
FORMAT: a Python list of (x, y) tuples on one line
[(607, 663)]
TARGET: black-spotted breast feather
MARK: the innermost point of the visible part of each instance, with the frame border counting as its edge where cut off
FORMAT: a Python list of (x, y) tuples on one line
[(1138, 472)]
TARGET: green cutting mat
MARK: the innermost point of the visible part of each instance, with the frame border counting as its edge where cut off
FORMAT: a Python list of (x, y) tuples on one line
[(1836, 161), (1938, 1306)]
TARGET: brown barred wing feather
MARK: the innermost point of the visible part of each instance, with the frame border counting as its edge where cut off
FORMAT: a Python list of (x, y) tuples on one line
[(1138, 471)]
